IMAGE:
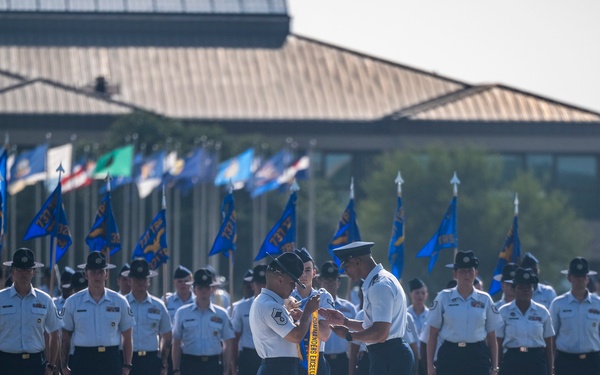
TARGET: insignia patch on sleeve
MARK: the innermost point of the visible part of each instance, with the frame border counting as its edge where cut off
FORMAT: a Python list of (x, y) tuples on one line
[(495, 309), (130, 311), (433, 305), (279, 317)]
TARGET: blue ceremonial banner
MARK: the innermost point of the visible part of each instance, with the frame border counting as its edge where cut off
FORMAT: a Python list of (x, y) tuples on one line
[(227, 236), (266, 178), (152, 245), (104, 235), (346, 232), (3, 160), (29, 167), (197, 167), (282, 237), (396, 246), (446, 237), (237, 169), (149, 173), (510, 253), (52, 220)]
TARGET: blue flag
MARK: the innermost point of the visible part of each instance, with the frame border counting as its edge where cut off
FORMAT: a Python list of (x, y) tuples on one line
[(237, 169), (396, 247), (227, 236), (197, 167), (29, 167), (511, 252), (104, 235), (446, 237), (3, 160), (282, 237), (267, 176), (152, 245), (346, 232), (149, 173), (52, 220)]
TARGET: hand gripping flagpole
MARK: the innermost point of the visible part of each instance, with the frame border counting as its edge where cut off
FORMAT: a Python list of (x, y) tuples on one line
[(455, 182), (60, 171)]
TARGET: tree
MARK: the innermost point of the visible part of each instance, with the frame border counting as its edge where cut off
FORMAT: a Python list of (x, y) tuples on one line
[(548, 227)]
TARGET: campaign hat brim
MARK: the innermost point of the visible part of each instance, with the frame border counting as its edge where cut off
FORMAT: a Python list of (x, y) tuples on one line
[(107, 267), (151, 274), (35, 265)]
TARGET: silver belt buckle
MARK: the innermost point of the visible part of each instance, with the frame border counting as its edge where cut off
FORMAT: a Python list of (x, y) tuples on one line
[(523, 349), (141, 353), (462, 344), (582, 356), (25, 356), (101, 349)]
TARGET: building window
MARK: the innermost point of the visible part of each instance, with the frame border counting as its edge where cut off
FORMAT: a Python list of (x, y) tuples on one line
[(578, 176)]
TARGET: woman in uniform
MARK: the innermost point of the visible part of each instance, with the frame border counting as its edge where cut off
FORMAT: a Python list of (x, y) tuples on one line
[(526, 335), (465, 319)]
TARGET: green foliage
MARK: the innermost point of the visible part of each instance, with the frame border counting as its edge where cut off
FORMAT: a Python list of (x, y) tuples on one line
[(548, 227)]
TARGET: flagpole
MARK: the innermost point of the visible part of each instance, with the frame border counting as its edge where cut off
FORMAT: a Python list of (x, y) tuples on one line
[(399, 181), (348, 280), (165, 278), (106, 232), (231, 265), (60, 171), (455, 182)]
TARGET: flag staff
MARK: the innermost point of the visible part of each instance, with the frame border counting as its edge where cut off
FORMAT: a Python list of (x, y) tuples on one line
[(230, 251), (165, 279), (107, 232), (455, 182), (60, 171), (516, 204)]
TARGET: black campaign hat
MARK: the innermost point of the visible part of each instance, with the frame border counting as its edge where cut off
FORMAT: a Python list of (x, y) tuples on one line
[(508, 273), (415, 284), (23, 258), (259, 274), (96, 261), (181, 272), (529, 261), (330, 270), (125, 267), (304, 255), (65, 277), (524, 276), (464, 259), (203, 277), (248, 276), (78, 280), (139, 269), (579, 267), (353, 250), (290, 264)]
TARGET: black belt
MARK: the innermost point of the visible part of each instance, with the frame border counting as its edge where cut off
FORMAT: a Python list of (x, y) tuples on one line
[(249, 349), (579, 355), (97, 349), (23, 356), (463, 344), (143, 353), (201, 358), (524, 349), (335, 356), (281, 360)]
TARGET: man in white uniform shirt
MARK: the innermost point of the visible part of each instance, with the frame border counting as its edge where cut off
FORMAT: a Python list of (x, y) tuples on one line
[(542, 293), (385, 312), (275, 335)]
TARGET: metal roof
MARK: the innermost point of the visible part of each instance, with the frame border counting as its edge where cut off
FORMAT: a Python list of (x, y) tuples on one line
[(148, 6), (41, 96), (493, 103), (302, 80)]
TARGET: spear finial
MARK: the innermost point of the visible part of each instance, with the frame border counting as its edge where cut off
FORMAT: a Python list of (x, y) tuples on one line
[(455, 181), (399, 181)]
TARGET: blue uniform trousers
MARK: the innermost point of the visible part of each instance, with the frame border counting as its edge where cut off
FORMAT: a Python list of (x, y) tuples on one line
[(146, 363), (200, 364), (580, 364), (392, 357), (279, 366), (460, 359), (363, 365), (248, 362), (338, 363), (518, 362), (96, 361), (25, 363)]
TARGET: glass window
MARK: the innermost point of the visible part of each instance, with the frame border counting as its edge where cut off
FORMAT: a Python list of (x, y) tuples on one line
[(579, 172), (541, 165), (511, 165)]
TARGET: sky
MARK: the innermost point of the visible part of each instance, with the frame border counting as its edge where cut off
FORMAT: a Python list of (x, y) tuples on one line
[(547, 47)]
